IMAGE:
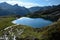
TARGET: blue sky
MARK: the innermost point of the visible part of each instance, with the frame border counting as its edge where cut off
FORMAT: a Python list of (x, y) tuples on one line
[(31, 3)]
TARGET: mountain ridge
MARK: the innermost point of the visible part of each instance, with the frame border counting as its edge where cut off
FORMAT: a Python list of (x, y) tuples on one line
[(52, 13), (18, 10)]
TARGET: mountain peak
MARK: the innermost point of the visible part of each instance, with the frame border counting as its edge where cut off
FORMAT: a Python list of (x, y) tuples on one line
[(16, 5), (4, 3)]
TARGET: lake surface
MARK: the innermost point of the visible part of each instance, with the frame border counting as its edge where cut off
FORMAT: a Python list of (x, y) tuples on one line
[(33, 22)]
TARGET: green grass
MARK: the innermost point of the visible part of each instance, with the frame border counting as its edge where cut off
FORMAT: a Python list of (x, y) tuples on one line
[(44, 33), (5, 22)]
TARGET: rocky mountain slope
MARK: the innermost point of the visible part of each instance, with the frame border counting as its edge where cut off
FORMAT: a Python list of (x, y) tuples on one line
[(7, 9), (50, 14)]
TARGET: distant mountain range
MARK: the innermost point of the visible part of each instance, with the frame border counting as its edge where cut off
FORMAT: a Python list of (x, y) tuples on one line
[(50, 13), (34, 9), (7, 9), (47, 11), (37, 8)]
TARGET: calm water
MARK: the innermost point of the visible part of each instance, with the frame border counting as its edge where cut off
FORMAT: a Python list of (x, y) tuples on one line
[(33, 22)]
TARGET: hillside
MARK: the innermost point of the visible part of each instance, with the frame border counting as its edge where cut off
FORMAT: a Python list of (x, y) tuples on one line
[(51, 32), (51, 14), (5, 21), (45, 33), (7, 9), (38, 8)]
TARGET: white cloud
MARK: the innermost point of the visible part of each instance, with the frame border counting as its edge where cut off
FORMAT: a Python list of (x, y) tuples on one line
[(25, 4)]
